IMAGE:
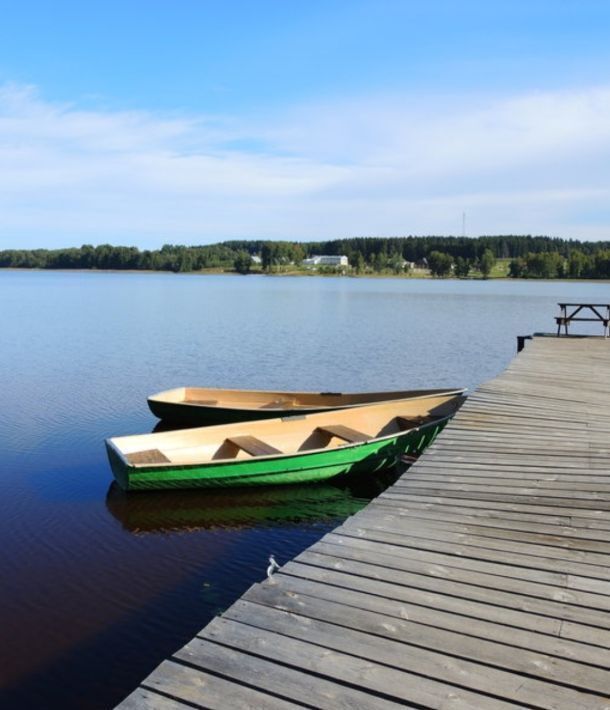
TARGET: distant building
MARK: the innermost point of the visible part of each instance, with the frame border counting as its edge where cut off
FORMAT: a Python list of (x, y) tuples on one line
[(326, 260), (256, 259)]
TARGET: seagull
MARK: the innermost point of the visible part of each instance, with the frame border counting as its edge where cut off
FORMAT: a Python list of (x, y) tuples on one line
[(273, 566)]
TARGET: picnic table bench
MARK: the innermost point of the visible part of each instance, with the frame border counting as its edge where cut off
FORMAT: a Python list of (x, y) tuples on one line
[(596, 312)]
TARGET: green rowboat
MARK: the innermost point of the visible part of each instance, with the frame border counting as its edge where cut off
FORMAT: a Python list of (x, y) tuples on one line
[(279, 451)]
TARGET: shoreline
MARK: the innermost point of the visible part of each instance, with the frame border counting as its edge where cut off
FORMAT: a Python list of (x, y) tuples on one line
[(221, 272)]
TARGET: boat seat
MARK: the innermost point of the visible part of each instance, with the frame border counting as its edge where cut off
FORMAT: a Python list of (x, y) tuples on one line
[(411, 422), (344, 432), (252, 445), (201, 401), (148, 456)]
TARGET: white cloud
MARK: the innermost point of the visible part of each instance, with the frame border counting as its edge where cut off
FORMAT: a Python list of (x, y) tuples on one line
[(537, 163)]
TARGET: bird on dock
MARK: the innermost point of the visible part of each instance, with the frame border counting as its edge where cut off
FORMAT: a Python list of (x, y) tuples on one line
[(273, 566)]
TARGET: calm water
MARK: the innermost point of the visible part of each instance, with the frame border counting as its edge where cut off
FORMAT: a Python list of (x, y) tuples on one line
[(98, 587)]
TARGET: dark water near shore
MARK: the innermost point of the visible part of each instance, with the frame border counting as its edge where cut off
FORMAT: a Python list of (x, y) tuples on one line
[(98, 587)]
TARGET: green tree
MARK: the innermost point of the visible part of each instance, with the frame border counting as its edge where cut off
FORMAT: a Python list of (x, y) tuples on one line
[(462, 267), (184, 261), (266, 256), (578, 265), (516, 268), (601, 266), (397, 264), (439, 263), (380, 261), (297, 253), (357, 262), (243, 262), (487, 262), (547, 265)]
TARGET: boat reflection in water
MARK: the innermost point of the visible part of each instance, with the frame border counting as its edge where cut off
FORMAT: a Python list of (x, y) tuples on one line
[(272, 506)]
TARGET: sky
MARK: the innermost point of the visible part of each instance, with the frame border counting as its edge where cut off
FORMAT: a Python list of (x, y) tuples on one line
[(195, 121)]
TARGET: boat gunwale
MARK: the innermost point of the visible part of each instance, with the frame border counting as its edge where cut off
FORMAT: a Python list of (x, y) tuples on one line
[(223, 462)]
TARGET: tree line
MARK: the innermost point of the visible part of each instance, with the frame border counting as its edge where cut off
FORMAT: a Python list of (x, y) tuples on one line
[(552, 265), (105, 256), (530, 256)]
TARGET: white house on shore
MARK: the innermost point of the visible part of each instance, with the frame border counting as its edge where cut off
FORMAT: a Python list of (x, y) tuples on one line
[(326, 260)]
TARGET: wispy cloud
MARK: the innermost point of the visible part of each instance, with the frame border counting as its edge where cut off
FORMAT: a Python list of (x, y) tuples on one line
[(535, 163)]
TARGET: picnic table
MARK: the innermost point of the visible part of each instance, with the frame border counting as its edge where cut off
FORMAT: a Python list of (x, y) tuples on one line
[(596, 312)]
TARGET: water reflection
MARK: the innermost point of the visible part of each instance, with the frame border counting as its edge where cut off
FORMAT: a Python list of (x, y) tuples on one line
[(175, 511)]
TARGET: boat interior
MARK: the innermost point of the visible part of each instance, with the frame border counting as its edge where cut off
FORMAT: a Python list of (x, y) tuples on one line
[(255, 399), (275, 437)]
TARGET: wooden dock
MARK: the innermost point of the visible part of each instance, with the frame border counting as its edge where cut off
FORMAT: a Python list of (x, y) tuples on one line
[(481, 579)]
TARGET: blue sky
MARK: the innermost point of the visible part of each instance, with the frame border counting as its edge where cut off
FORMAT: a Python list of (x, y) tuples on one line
[(191, 122)]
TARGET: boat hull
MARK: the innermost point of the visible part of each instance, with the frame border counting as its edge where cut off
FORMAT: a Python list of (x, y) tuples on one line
[(191, 414), (300, 467)]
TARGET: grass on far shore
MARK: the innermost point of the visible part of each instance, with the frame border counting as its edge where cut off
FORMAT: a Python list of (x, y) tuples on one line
[(499, 271)]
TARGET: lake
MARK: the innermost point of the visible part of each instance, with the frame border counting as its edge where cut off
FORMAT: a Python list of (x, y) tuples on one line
[(99, 586)]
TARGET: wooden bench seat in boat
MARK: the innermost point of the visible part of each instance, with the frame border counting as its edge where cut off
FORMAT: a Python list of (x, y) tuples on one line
[(252, 445), (410, 422), (344, 432), (201, 401), (148, 456)]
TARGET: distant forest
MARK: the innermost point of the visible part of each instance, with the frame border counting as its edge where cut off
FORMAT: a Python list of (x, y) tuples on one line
[(530, 256)]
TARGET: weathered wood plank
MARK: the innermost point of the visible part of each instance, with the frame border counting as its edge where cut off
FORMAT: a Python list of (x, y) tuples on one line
[(523, 565), (587, 515), (144, 699), (446, 613), (502, 521), (345, 668), (552, 489), (514, 475), (543, 585), (581, 507), (575, 561), (427, 579), (399, 655), (294, 685), (512, 573), (203, 689), (506, 530)]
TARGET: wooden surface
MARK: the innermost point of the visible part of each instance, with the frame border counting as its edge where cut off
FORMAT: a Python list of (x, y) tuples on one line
[(481, 579), (344, 432), (148, 456), (253, 446)]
